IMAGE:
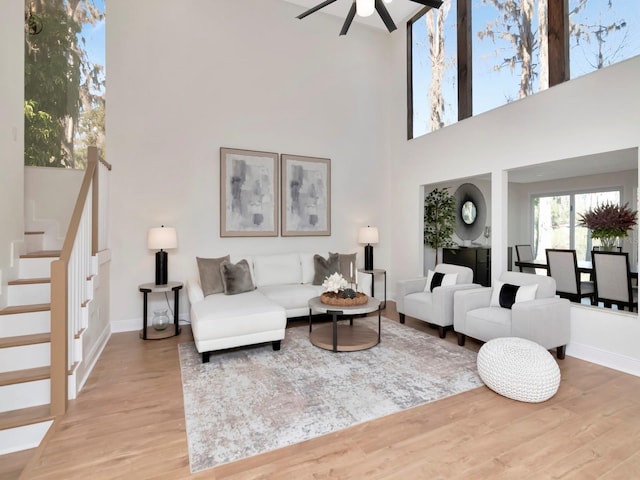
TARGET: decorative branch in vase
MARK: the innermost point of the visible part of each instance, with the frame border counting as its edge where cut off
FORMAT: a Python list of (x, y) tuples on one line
[(608, 223)]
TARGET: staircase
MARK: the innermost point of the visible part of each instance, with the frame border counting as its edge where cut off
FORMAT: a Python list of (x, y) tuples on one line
[(25, 354), (52, 331)]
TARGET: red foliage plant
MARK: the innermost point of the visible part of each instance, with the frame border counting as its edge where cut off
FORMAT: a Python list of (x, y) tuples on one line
[(609, 220)]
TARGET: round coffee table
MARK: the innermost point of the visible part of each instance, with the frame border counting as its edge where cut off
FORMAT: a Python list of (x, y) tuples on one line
[(344, 337)]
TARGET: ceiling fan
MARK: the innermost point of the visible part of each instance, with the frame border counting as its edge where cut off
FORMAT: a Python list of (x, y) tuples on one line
[(365, 8)]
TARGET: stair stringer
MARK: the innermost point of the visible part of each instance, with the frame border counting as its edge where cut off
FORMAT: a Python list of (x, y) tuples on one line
[(96, 323)]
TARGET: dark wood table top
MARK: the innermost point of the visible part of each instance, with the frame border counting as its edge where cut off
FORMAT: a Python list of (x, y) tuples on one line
[(584, 266)]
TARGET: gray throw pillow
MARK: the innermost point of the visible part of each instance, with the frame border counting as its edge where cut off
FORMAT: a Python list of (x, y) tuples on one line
[(236, 278), (346, 260), (210, 277), (323, 267)]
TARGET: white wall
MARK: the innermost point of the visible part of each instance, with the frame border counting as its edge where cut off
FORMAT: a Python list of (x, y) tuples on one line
[(50, 195), (186, 78), (11, 136), (592, 114)]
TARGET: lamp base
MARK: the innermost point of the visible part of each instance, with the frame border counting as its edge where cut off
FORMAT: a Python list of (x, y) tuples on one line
[(162, 269), (368, 257)]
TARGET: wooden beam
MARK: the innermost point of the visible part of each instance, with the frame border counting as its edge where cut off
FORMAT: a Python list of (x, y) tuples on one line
[(410, 79), (465, 61), (558, 22)]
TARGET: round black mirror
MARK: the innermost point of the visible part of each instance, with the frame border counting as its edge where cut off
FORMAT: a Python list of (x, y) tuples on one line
[(468, 212)]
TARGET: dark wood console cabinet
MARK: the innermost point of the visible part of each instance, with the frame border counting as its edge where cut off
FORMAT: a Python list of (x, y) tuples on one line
[(477, 259)]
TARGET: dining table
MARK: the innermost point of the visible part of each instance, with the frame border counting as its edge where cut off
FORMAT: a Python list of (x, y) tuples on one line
[(584, 266)]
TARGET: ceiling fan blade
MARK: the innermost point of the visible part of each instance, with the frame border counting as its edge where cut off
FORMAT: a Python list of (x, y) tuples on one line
[(384, 15), (429, 3), (315, 9), (349, 19)]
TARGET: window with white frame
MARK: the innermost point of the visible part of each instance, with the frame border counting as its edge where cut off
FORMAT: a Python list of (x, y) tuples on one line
[(556, 217)]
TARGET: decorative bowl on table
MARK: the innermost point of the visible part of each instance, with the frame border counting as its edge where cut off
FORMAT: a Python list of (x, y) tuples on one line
[(338, 292), (336, 299)]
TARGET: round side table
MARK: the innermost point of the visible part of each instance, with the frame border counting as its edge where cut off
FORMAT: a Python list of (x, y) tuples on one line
[(148, 332)]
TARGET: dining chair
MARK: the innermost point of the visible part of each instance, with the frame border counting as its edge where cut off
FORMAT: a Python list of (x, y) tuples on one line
[(562, 265), (612, 278), (525, 254)]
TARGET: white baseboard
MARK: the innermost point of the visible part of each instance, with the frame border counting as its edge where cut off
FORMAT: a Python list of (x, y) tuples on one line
[(604, 358), (134, 324)]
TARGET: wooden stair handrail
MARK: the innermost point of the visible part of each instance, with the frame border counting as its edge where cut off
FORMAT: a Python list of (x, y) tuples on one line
[(74, 223), (105, 163), (59, 279)]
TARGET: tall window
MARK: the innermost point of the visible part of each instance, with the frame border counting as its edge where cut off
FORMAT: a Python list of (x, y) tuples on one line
[(64, 81), (602, 33), (434, 77), (510, 51), (555, 221)]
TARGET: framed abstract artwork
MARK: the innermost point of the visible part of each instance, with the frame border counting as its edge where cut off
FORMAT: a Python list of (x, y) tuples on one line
[(306, 196), (248, 193)]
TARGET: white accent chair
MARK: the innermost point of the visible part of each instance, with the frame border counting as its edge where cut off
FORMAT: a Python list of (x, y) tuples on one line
[(544, 320), (436, 307), (612, 277)]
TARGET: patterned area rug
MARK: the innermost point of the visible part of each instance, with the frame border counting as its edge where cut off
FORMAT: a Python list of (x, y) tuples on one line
[(252, 400)]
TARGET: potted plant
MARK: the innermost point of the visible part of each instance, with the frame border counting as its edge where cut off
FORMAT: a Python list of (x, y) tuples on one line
[(439, 219), (608, 222)]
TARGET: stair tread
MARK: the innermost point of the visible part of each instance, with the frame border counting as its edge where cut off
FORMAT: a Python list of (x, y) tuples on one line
[(29, 281), (42, 254), (22, 340), (25, 416), (24, 376), (36, 307)]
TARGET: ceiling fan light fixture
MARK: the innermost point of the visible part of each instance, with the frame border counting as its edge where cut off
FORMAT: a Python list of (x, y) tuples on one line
[(365, 8)]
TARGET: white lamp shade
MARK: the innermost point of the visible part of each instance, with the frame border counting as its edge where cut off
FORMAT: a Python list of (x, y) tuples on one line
[(368, 235), (364, 8), (162, 238)]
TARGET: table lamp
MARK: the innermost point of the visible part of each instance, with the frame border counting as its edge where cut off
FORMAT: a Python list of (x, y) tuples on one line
[(162, 238), (368, 235)]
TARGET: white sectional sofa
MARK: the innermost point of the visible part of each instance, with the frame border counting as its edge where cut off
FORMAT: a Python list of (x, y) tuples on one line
[(284, 285)]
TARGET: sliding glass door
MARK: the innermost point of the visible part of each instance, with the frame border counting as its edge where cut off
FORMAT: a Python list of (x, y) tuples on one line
[(555, 221)]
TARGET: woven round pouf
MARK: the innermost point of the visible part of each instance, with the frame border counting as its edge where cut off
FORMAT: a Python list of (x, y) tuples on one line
[(518, 369)]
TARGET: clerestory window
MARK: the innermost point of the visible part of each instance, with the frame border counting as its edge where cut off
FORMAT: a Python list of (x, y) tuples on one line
[(515, 49)]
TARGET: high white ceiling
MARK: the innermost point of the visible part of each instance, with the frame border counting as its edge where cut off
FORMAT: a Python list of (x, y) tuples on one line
[(400, 11)]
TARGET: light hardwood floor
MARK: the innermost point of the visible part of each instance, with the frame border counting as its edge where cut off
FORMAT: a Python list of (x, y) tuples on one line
[(128, 423)]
